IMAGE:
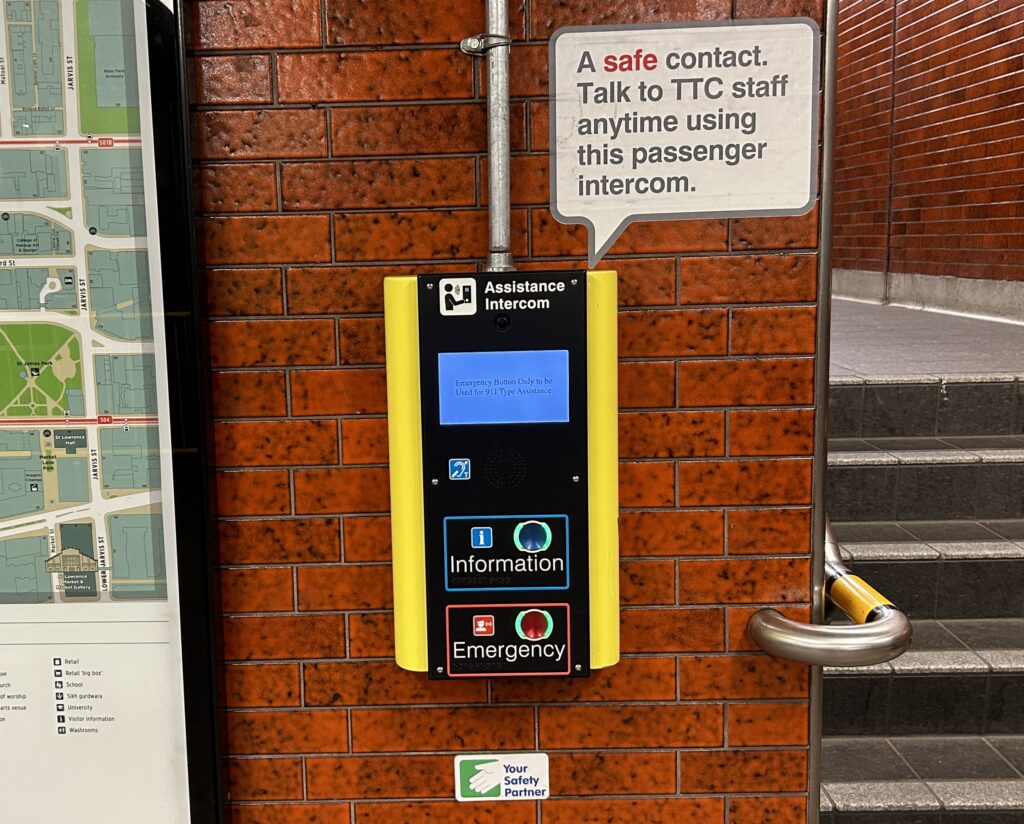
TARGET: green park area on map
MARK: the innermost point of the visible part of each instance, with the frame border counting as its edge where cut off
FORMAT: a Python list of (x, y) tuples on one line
[(108, 92), (40, 371)]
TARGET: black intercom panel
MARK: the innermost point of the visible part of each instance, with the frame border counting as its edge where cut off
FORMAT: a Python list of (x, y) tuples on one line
[(503, 382)]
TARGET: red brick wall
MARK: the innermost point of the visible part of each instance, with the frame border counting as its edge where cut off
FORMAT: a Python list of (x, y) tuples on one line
[(929, 159), (336, 145)]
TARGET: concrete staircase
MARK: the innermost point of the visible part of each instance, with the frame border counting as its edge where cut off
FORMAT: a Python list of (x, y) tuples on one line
[(926, 496)]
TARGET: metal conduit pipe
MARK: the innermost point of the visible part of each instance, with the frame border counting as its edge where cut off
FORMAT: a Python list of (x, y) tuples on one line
[(499, 254), (881, 633)]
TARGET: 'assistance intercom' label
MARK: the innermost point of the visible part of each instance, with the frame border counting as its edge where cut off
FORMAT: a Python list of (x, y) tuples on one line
[(508, 639), (502, 777), (506, 552)]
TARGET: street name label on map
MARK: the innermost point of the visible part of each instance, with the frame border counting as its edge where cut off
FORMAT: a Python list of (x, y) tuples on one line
[(671, 122)]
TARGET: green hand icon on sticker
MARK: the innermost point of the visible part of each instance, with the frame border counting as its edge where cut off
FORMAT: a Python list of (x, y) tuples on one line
[(480, 779)]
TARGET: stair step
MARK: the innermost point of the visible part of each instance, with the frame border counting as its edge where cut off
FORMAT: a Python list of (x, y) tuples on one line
[(941, 569), (926, 406), (958, 677), (926, 479), (931, 780)]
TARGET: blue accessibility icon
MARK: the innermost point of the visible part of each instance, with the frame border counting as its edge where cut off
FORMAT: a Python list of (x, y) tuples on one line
[(458, 469), (481, 537)]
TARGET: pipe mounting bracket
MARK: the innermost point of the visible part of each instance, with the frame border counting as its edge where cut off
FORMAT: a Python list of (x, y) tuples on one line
[(478, 45)]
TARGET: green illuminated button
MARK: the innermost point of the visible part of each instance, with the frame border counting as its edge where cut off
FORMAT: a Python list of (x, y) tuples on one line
[(534, 624), (532, 536)]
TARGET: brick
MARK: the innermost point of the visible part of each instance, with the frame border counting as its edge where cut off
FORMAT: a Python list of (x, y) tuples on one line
[(287, 731), (773, 809), (742, 483), (450, 812), (647, 281), (264, 779), (737, 618), (261, 685), (741, 676), (352, 77), (772, 331), (377, 184), (269, 239), (539, 125), (671, 434), (244, 292), (770, 382), (236, 187), (408, 130), (261, 134), (469, 728), (295, 541), (672, 630), (344, 587), (757, 580), (271, 343), (789, 432), (379, 776), (361, 340), (338, 391), (284, 637), (528, 72), (748, 279), (650, 811), (288, 813), (438, 234), (646, 583), (371, 635), (341, 490), (248, 394), (367, 539), (744, 770), (375, 683), (349, 289), (633, 726), (549, 15), (364, 441), (252, 493), (775, 232), (672, 333), (551, 238), (255, 24), (671, 533), (646, 484), (256, 590), (233, 79), (766, 531), (647, 384), (275, 443), (758, 9), (631, 679), (768, 725), (618, 773)]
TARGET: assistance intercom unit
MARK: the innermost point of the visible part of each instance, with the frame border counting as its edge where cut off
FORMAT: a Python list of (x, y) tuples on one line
[(502, 426)]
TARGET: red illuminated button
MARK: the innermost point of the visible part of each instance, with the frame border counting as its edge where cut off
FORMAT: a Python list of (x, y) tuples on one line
[(483, 625), (534, 624)]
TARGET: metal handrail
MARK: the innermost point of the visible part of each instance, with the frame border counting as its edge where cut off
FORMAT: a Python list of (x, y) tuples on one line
[(880, 632)]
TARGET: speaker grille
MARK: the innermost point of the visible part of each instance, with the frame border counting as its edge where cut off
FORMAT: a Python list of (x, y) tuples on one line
[(505, 469)]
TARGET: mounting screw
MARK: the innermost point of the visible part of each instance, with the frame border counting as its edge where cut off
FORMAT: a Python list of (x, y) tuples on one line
[(433, 481), (574, 281), (579, 668), (474, 43), (440, 670), (575, 479), (430, 285)]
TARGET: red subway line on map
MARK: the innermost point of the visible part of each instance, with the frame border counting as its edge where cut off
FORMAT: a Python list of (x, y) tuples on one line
[(55, 421)]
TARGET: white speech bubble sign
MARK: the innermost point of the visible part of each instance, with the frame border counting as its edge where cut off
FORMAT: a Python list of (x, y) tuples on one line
[(668, 122)]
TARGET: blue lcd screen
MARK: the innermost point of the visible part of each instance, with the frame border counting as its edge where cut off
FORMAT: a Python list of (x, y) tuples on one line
[(530, 386)]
